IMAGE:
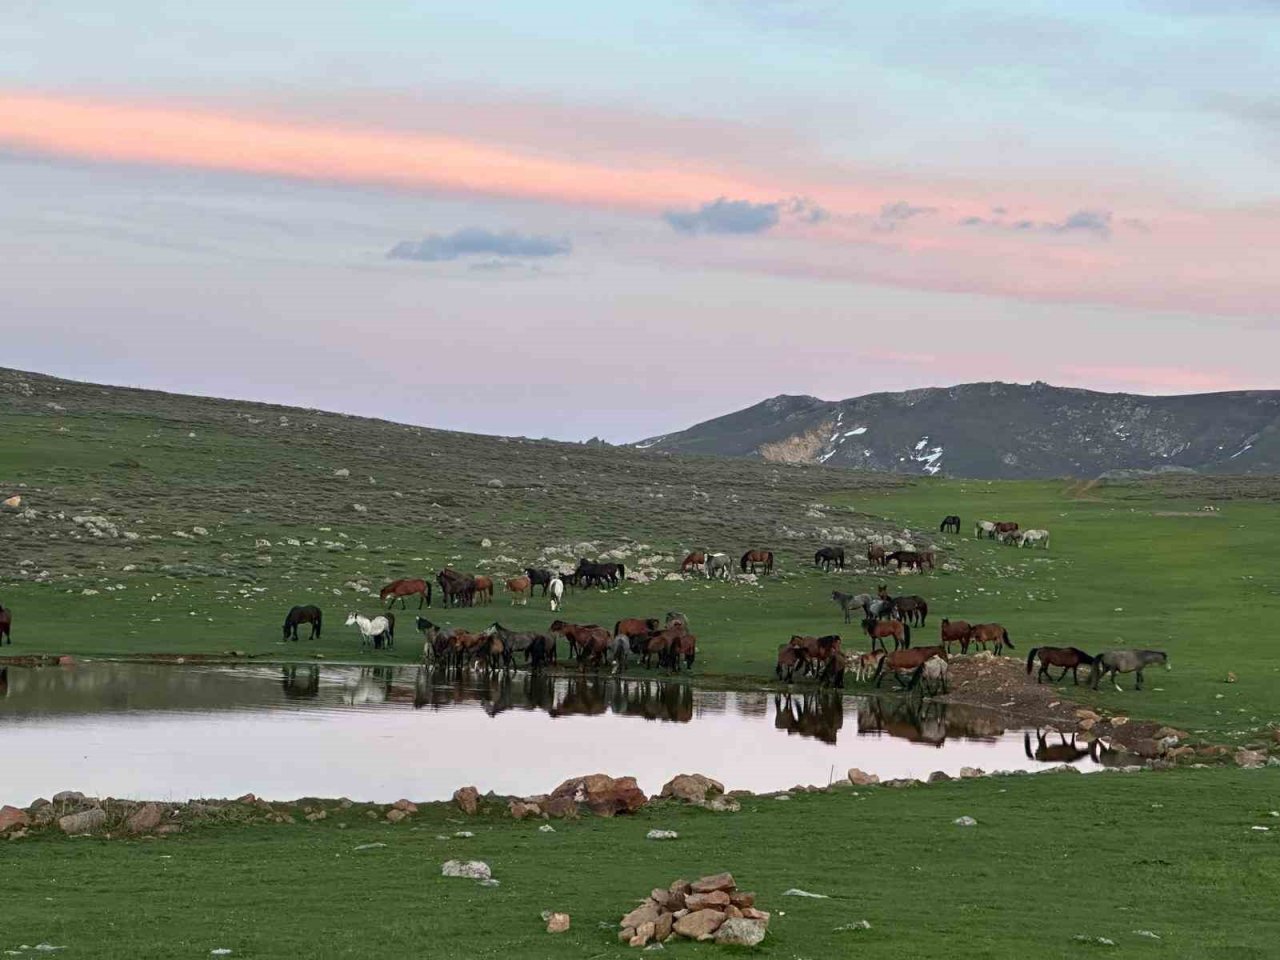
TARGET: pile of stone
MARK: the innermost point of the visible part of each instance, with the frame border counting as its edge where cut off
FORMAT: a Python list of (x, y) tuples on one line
[(709, 909), (597, 794)]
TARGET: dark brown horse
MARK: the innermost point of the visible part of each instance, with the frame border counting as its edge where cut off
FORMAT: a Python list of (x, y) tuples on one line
[(755, 558), (829, 557), (634, 628), (399, 589), (6, 624), (789, 658), (458, 589), (697, 558), (876, 556), (1068, 658), (1004, 528), (577, 634), (880, 630), (950, 523), (911, 559), (295, 616), (906, 661), (992, 633), (913, 610), (815, 650), (955, 631)]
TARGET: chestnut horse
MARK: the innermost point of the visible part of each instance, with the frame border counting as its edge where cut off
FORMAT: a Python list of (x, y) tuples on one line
[(993, 633), (484, 589), (577, 634), (906, 661), (955, 631), (1005, 527), (754, 558), (788, 659), (633, 627), (519, 588), (876, 555), (399, 589), (878, 630), (1068, 658), (696, 559)]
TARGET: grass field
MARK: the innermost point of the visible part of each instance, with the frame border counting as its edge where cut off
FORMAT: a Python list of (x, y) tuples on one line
[(1053, 858)]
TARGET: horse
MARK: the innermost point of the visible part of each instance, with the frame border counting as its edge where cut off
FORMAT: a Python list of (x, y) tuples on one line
[(6, 624), (993, 633), (1004, 527), (598, 574), (378, 631), (557, 593), (633, 627), (864, 664), (930, 676), (829, 557), (458, 589), (789, 658), (295, 616), (619, 650), (718, 566), (677, 619), (1068, 658), (399, 589), (697, 558), (532, 645), (955, 631), (901, 661), (1032, 537), (913, 610), (878, 630), (816, 649), (577, 634), (876, 556), (684, 647), (594, 643), (951, 523), (833, 671), (539, 578), (757, 558), (484, 589), (1115, 662), (520, 588), (849, 602), (984, 528)]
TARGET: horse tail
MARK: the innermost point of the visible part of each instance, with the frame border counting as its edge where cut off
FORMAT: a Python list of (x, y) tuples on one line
[(906, 634), (428, 583), (1007, 642), (617, 628), (319, 621), (743, 563), (622, 571), (1031, 657)]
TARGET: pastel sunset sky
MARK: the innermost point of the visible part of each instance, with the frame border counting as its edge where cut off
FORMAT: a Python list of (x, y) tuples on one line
[(616, 219)]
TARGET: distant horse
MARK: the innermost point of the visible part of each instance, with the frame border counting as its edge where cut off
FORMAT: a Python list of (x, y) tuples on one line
[(599, 574), (755, 558), (984, 528), (992, 633), (617, 654), (1004, 527), (520, 588), (930, 676), (1032, 537), (913, 610), (876, 556), (906, 661), (677, 619), (911, 559), (557, 593), (579, 634), (295, 616), (719, 566), (458, 589), (697, 558), (484, 589), (849, 603), (1068, 658), (539, 578), (375, 632), (829, 557), (880, 630), (6, 624), (1115, 662), (950, 523), (399, 589), (955, 631)]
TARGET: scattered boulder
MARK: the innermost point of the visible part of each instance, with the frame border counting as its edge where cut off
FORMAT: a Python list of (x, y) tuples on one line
[(717, 881), (558, 922), (395, 816), (145, 819), (721, 805), (939, 776), (860, 778), (468, 799), (11, 817), (467, 869), (1250, 758), (87, 821), (408, 806), (969, 773), (691, 787), (662, 835), (741, 932), (965, 822), (696, 911), (601, 794)]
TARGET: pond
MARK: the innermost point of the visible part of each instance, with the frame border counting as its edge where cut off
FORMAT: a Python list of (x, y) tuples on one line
[(175, 732)]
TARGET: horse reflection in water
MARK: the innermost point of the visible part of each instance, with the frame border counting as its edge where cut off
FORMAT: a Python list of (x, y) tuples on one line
[(926, 721), (817, 713), (300, 683), (372, 685), (1065, 751)]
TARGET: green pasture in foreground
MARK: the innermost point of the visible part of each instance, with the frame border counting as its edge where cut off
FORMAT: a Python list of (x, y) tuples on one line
[(1054, 858)]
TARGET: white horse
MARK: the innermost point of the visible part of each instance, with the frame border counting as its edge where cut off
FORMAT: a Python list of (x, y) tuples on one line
[(556, 590), (372, 631), (718, 566), (984, 528), (1033, 537)]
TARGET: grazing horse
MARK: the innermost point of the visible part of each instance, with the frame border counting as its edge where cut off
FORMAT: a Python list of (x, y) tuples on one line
[(557, 593), (1004, 528), (539, 578), (909, 559), (829, 557), (677, 619), (992, 633), (951, 523), (789, 658), (297, 615), (632, 627), (1068, 658), (519, 588), (984, 528), (903, 661), (1032, 537), (719, 567), (1115, 662), (6, 624), (375, 632), (851, 602), (757, 558), (955, 631), (913, 610), (876, 556), (399, 589), (697, 558), (930, 676), (878, 630)]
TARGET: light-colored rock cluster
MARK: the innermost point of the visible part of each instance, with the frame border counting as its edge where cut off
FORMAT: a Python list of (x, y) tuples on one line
[(711, 908)]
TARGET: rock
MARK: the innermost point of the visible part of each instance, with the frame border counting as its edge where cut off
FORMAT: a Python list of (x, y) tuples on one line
[(740, 899), (546, 828), (721, 805), (1119, 721), (558, 923), (467, 869), (681, 886), (602, 795), (939, 776), (662, 835), (486, 543), (626, 933), (359, 508), (970, 773), (715, 900), (965, 822), (740, 932), (662, 927), (11, 817), (495, 483), (87, 821), (644, 933), (700, 925), (691, 787), (408, 806), (69, 796), (751, 913), (145, 819), (1250, 758), (1087, 715), (717, 881), (1231, 677), (1086, 724), (468, 799), (318, 815), (519, 809), (395, 816), (561, 807), (647, 912), (860, 778), (343, 472)]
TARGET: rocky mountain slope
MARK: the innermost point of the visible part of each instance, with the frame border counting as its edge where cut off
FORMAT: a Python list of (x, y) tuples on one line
[(1001, 430)]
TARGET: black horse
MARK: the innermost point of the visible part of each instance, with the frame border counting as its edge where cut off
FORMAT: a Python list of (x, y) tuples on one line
[(538, 577), (299, 615), (950, 523), (829, 557), (591, 574)]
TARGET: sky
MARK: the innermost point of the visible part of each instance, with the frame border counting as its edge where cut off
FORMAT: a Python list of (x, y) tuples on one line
[(584, 219)]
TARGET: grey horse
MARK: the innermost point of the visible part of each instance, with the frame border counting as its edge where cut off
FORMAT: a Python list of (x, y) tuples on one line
[(719, 566), (619, 650), (1115, 662), (850, 603)]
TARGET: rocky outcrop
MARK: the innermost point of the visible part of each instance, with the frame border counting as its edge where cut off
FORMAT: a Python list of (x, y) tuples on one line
[(691, 787), (700, 910), (467, 799), (598, 793)]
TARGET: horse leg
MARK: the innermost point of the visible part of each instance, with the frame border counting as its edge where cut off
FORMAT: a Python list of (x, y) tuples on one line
[(1138, 679)]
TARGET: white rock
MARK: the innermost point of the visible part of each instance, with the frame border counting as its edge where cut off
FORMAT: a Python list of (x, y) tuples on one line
[(965, 822), (468, 869), (661, 835)]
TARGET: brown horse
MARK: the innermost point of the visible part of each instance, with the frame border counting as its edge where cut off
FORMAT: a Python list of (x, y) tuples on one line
[(1004, 528), (913, 610), (458, 589), (399, 589), (911, 559), (789, 658), (633, 628), (955, 631), (992, 633), (879, 630), (683, 647), (519, 588), (1068, 658), (696, 559), (6, 625), (815, 650), (906, 661), (484, 589), (577, 634), (754, 558), (876, 555)]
